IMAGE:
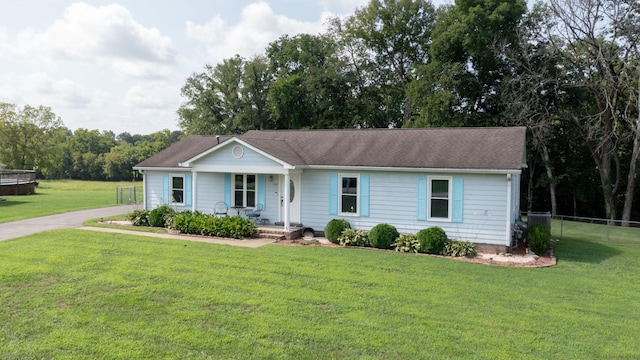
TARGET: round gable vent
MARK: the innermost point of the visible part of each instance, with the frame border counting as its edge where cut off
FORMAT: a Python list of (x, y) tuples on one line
[(238, 151)]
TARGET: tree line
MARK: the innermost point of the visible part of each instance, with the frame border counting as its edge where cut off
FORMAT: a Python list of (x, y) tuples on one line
[(568, 70), (35, 138)]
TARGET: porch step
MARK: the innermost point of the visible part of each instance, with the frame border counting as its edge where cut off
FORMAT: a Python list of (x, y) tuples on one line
[(270, 235), (276, 233)]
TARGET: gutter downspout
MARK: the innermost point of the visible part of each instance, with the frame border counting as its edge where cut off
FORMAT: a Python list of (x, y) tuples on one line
[(508, 222)]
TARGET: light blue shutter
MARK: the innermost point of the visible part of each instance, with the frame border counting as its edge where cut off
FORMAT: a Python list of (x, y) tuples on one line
[(421, 213), (333, 194), (262, 191), (227, 189), (458, 194), (187, 189), (364, 195), (165, 189)]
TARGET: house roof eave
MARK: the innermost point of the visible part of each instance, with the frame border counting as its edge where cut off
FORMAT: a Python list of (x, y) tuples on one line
[(406, 169)]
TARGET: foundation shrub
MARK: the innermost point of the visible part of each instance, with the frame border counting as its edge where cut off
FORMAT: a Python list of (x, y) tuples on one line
[(334, 229), (539, 239), (458, 248), (353, 237), (406, 243), (139, 217), (161, 216), (382, 236), (197, 223), (432, 240)]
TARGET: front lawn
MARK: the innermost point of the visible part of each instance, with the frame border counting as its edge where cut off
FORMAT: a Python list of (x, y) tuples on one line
[(99, 295)]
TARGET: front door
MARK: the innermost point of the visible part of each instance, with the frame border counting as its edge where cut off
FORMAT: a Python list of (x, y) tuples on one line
[(294, 198)]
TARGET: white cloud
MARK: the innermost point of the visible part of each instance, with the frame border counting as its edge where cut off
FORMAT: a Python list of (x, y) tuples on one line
[(142, 70), (343, 5), (91, 33), (64, 92), (258, 26), (210, 32), (151, 96)]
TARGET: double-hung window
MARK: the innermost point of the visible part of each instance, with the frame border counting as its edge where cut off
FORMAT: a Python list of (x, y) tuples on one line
[(349, 194), (177, 189), (439, 195), (244, 190)]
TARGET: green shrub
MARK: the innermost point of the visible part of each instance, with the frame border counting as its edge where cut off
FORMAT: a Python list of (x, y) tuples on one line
[(383, 235), (432, 240), (139, 217), (334, 228), (160, 216), (406, 243), (353, 237), (539, 239), (197, 223), (460, 248)]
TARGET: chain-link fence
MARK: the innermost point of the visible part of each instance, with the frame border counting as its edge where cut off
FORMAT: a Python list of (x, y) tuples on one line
[(609, 231), (129, 195)]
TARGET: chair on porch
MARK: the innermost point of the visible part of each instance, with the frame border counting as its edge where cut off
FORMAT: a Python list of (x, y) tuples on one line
[(254, 214), (220, 209)]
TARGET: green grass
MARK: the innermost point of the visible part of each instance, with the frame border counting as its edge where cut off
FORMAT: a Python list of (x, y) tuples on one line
[(96, 295), (59, 196)]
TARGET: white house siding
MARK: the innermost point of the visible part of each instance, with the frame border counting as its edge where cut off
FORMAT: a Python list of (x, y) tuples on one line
[(393, 200)]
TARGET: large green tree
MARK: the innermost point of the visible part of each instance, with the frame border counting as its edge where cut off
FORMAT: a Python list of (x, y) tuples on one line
[(309, 88), (387, 40), (227, 98), (462, 83), (31, 138)]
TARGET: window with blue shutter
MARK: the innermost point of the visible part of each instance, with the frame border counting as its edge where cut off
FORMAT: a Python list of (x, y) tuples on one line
[(262, 191), (165, 189), (227, 189), (188, 189), (421, 211), (364, 195), (333, 194), (458, 194)]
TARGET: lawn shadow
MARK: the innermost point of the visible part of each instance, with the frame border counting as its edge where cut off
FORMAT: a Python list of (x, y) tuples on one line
[(8, 201), (571, 249)]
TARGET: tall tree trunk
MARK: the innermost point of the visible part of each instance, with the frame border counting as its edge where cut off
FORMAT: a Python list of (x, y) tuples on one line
[(604, 169), (552, 183), (631, 177)]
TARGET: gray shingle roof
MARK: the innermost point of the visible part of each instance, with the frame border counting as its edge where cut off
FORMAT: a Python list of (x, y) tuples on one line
[(435, 148)]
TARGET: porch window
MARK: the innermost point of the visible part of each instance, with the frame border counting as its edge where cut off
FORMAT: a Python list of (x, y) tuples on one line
[(439, 194), (349, 194), (177, 189), (244, 190)]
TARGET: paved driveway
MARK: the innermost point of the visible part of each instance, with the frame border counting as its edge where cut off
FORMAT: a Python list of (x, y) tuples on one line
[(15, 229)]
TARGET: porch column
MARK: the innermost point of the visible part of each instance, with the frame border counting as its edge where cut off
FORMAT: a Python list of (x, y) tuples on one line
[(194, 195), (287, 203)]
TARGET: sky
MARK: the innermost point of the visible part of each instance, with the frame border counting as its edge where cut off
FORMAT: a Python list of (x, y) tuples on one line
[(119, 65)]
